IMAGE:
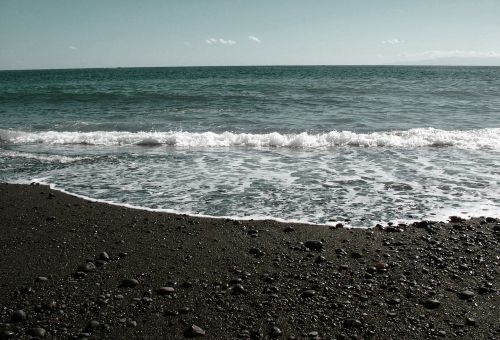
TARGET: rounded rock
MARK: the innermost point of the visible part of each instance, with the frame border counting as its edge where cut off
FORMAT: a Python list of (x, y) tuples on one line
[(165, 290), (104, 256), (18, 316), (308, 293), (87, 267), (432, 304), (275, 332), (194, 331), (37, 332), (92, 325), (130, 283), (314, 244), (466, 295)]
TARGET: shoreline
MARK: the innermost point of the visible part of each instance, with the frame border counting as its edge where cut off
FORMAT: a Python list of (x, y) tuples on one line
[(81, 268), (345, 223)]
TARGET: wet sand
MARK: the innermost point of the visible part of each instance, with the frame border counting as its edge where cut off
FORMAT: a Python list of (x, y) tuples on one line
[(75, 268)]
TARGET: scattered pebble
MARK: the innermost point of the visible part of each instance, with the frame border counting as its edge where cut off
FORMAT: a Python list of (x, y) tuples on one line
[(131, 283), (194, 331)]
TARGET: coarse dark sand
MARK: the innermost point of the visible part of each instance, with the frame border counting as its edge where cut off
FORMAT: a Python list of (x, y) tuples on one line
[(73, 268)]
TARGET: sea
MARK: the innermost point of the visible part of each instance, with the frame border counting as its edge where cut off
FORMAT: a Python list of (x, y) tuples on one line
[(357, 145)]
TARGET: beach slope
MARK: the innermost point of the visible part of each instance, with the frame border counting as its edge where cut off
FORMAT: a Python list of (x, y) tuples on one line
[(75, 268)]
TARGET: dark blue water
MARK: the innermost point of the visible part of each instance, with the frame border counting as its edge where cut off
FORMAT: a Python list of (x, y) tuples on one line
[(315, 144)]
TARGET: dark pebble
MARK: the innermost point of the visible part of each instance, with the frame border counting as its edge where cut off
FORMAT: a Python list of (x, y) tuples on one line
[(431, 303), (237, 289), (104, 256), (288, 229), (18, 316), (314, 245), (348, 323), (466, 295), (308, 293), (165, 290), (129, 283), (356, 255), (92, 325), (319, 259), (86, 267), (42, 279), (393, 302), (275, 332), (194, 331), (6, 334), (100, 263), (184, 310), (38, 332), (470, 322)]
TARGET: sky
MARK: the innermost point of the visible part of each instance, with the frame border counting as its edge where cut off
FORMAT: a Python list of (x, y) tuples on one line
[(37, 34)]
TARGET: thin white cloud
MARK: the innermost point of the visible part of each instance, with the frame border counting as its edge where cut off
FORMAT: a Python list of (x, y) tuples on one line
[(432, 54), (222, 41), (392, 41), (254, 38), (226, 42), (71, 47)]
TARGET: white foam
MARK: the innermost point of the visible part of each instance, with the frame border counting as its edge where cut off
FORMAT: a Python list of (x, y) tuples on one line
[(42, 157), (413, 138)]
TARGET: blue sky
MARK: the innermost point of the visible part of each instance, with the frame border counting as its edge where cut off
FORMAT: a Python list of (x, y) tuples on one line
[(113, 33)]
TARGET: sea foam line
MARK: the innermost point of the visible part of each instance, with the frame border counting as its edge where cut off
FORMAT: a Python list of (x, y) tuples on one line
[(443, 216), (413, 138)]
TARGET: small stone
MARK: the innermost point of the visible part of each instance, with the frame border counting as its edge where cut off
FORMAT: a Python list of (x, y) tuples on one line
[(319, 259), (104, 256), (86, 267), (18, 316), (348, 323), (288, 229), (431, 303), (170, 312), (41, 279), (194, 331), (38, 332), (92, 325), (237, 289), (314, 245), (131, 283), (131, 323), (6, 334), (356, 255), (184, 310), (165, 290), (308, 293), (470, 322), (456, 219), (275, 332), (100, 263), (393, 302), (256, 252), (466, 295), (343, 267)]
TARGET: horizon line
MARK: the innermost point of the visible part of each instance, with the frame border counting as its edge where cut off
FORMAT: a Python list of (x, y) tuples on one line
[(248, 65)]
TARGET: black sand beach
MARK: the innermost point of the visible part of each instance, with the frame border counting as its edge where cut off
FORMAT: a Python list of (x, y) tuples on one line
[(71, 268)]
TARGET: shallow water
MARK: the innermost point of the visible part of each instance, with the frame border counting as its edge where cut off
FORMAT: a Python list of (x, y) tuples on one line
[(316, 144)]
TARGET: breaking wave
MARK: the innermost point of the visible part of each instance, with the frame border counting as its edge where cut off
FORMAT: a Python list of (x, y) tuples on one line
[(413, 138)]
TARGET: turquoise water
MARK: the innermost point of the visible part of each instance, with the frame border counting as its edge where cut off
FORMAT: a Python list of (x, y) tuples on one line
[(317, 144)]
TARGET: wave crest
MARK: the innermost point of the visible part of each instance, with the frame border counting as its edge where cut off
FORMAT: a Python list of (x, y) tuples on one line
[(413, 138)]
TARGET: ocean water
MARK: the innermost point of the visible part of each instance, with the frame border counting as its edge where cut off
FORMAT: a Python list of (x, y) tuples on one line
[(317, 144)]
